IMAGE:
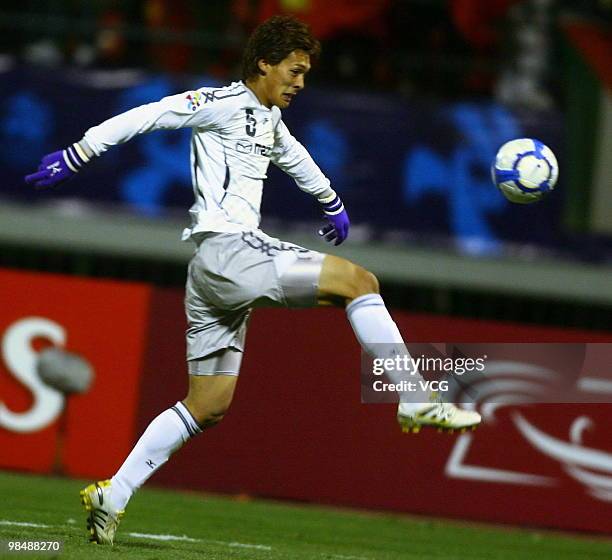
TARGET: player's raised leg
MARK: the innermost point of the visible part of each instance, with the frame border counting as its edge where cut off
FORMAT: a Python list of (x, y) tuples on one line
[(209, 396), (344, 283)]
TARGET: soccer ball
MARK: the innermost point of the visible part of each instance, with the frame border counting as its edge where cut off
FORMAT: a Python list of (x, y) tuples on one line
[(525, 170)]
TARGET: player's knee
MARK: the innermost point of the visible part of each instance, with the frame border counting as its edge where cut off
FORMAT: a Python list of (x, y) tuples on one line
[(358, 282), (211, 419), (206, 414), (364, 282), (342, 281)]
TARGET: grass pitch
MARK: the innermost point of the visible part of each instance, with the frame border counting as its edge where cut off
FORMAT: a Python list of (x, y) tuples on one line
[(172, 525)]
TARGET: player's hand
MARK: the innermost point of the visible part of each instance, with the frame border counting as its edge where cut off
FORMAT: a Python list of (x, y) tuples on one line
[(337, 229), (57, 167)]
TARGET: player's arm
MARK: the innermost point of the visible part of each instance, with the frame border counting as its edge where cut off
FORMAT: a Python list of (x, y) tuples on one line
[(170, 113), (290, 156)]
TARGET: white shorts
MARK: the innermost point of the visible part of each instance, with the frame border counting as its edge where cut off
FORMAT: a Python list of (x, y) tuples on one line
[(229, 274)]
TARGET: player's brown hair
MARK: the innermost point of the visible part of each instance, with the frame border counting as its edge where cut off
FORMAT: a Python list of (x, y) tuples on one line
[(274, 40)]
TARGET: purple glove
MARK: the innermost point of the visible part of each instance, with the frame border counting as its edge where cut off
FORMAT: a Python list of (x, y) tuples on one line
[(339, 224), (57, 167)]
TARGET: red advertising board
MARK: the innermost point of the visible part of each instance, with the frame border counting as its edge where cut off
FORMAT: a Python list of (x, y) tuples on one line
[(104, 322), (297, 429)]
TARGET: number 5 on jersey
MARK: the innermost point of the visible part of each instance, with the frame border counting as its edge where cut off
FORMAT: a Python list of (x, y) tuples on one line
[(251, 123)]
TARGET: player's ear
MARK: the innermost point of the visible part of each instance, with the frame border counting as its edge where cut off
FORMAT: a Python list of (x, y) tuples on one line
[(263, 66)]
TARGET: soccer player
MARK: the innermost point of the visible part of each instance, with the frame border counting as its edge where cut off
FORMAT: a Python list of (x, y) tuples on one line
[(237, 131)]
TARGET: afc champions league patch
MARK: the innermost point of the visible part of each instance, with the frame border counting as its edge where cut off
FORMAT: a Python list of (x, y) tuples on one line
[(194, 100)]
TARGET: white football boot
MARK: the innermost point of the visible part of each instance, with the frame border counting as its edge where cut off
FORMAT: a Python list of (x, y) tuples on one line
[(446, 417), (103, 519)]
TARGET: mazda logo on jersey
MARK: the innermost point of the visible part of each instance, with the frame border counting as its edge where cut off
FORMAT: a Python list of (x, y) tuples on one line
[(253, 148)]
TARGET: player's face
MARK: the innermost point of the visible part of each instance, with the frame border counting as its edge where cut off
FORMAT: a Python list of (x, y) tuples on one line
[(285, 80)]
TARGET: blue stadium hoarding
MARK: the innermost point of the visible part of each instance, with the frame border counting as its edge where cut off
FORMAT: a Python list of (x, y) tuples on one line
[(407, 169)]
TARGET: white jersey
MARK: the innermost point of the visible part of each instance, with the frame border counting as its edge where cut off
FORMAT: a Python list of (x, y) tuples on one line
[(233, 141)]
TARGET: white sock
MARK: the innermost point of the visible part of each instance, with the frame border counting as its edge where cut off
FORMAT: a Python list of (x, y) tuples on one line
[(379, 337), (164, 435)]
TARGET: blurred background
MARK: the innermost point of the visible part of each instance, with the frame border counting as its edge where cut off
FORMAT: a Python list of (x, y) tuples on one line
[(404, 112)]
